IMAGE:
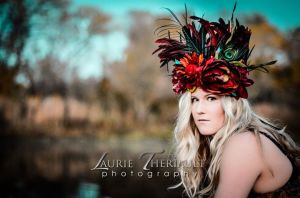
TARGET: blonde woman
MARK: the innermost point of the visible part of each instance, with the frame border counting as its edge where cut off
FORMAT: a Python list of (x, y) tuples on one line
[(241, 153), (234, 152)]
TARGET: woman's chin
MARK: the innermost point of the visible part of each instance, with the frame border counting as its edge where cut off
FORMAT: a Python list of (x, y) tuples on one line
[(204, 131)]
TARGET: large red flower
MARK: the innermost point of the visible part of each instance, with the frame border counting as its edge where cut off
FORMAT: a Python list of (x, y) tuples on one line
[(186, 74), (214, 76)]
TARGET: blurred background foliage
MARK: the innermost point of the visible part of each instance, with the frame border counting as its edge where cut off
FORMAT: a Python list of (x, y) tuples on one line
[(43, 95), (133, 94)]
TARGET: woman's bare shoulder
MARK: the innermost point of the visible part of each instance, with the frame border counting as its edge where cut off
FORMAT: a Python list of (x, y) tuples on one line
[(242, 141), (241, 165), (243, 146)]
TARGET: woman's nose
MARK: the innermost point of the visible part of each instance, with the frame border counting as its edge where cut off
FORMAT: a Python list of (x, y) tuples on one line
[(200, 107)]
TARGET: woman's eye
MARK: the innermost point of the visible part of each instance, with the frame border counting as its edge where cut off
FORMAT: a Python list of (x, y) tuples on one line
[(210, 98), (194, 99)]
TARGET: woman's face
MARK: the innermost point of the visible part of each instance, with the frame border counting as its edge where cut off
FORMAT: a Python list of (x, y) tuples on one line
[(207, 112)]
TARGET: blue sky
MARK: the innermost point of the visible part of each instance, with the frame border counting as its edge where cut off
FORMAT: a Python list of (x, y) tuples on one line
[(281, 14)]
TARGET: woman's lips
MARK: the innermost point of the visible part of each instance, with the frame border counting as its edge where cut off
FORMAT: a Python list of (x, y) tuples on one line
[(202, 120)]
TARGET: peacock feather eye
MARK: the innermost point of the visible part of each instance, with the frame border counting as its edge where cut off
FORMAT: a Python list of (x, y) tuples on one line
[(230, 54)]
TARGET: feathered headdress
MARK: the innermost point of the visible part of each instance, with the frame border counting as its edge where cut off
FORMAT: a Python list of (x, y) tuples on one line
[(211, 55)]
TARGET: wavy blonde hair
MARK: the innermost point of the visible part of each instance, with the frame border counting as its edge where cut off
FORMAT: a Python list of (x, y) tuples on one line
[(199, 156)]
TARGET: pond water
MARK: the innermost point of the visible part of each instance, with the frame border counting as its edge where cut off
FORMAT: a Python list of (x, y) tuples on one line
[(87, 167)]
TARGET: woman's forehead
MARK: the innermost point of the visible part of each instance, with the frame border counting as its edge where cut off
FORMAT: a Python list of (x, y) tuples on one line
[(200, 93)]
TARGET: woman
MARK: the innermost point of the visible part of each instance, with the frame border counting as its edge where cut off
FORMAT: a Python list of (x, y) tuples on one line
[(235, 152)]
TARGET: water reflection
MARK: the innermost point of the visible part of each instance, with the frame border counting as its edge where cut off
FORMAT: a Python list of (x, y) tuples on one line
[(52, 167), (88, 190)]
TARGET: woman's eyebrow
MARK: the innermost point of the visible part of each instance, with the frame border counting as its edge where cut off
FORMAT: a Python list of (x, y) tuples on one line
[(210, 94)]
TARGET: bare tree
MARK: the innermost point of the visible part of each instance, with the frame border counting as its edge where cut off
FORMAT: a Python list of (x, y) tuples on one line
[(32, 31), (16, 27)]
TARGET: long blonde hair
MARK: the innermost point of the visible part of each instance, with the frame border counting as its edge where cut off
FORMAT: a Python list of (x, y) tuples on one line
[(199, 156)]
